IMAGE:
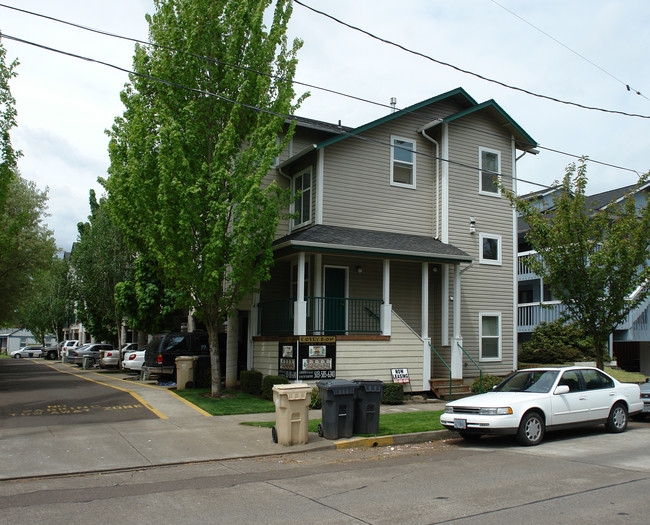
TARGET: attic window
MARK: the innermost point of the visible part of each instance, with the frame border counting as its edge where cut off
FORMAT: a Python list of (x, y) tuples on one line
[(402, 162), (489, 171)]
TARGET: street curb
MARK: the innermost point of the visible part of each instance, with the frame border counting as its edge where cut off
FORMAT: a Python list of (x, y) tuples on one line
[(395, 439)]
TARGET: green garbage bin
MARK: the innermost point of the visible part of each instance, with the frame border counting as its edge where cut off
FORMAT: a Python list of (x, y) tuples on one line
[(337, 398), (367, 401)]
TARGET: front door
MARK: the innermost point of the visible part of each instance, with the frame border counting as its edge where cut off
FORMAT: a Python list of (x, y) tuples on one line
[(335, 291)]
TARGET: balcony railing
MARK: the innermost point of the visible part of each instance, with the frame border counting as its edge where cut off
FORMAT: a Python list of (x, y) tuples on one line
[(532, 314), (325, 315), (523, 269)]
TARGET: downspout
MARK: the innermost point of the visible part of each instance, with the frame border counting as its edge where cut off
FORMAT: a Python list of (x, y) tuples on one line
[(436, 189)]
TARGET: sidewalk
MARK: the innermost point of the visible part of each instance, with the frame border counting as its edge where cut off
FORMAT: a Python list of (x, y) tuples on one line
[(182, 433)]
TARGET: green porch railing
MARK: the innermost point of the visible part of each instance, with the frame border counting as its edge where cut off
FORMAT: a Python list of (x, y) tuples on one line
[(339, 315), (480, 372), (446, 365), (325, 315)]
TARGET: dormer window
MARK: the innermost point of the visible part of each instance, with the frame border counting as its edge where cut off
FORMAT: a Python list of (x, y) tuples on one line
[(402, 162), (302, 205), (489, 171)]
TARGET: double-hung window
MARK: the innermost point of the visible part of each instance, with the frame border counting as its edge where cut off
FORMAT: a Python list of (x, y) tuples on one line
[(402, 162), (489, 336), (489, 249), (302, 205), (489, 161)]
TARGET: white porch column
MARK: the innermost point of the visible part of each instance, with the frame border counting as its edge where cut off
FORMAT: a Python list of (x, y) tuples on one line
[(386, 307), (300, 309), (426, 354), (318, 292), (456, 353), (444, 306)]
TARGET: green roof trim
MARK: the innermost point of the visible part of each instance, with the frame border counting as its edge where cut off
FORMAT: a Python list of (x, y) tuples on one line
[(454, 92), (523, 139)]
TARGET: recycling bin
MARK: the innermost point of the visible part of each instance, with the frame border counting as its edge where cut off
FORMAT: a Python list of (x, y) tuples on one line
[(87, 363), (367, 401), (185, 371), (291, 413), (337, 398)]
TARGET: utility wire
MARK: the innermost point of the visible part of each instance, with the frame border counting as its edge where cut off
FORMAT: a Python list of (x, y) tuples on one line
[(467, 72), (146, 43), (311, 86), (627, 86)]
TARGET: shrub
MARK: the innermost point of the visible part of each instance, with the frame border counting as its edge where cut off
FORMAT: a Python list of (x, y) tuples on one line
[(251, 382), (557, 343), (316, 401), (267, 385), (393, 394), (487, 383)]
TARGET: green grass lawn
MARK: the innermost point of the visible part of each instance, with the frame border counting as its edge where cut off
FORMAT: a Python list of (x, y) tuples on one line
[(232, 402), (401, 423), (625, 377)]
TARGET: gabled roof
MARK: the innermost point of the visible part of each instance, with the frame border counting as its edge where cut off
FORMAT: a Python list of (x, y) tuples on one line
[(373, 243)]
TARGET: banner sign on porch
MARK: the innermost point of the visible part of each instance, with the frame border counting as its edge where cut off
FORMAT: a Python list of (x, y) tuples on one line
[(287, 357), (316, 357), (400, 375)]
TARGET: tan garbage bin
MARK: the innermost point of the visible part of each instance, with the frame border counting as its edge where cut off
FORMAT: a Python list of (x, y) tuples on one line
[(185, 371), (291, 413)]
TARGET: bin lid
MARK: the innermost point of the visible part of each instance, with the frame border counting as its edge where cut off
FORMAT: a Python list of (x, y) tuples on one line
[(370, 385), (292, 390), (338, 386)]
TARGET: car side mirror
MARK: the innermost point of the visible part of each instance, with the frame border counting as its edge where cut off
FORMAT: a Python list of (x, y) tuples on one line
[(562, 389)]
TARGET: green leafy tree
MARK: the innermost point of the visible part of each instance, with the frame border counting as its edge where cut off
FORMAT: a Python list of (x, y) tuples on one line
[(148, 305), (101, 260), (186, 180), (8, 156), (557, 343), (594, 259)]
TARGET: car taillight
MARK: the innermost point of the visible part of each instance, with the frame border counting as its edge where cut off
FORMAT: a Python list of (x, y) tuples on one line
[(159, 359), (131, 357), (109, 354)]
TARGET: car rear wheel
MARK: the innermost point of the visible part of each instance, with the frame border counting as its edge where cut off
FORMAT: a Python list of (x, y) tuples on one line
[(17, 356), (531, 429), (617, 420)]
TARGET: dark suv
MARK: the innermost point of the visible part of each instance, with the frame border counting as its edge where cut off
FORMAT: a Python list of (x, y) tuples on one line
[(161, 352)]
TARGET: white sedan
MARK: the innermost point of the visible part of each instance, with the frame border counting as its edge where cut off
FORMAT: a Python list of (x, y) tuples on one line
[(133, 361), (28, 351), (531, 401)]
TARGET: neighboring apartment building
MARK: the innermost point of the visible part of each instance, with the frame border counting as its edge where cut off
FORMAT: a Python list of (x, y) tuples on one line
[(12, 339), (630, 343), (402, 249)]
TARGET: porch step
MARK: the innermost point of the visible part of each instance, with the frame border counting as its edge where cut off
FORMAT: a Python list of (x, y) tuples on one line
[(440, 388)]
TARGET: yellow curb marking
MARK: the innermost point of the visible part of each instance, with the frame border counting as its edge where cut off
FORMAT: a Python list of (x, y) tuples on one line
[(146, 405), (379, 441)]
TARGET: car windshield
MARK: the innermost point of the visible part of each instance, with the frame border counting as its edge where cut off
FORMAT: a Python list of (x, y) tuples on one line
[(537, 381)]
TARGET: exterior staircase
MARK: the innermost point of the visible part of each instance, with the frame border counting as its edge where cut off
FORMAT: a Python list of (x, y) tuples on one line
[(440, 387)]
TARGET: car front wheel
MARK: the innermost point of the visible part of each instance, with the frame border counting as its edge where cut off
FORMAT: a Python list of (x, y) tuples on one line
[(17, 356), (531, 429), (617, 420)]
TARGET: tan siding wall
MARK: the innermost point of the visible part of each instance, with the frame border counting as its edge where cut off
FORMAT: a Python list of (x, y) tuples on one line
[(357, 190), (265, 357), (485, 288)]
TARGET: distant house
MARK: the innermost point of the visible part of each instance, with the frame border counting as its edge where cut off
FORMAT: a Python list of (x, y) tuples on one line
[(630, 343), (401, 253), (12, 339)]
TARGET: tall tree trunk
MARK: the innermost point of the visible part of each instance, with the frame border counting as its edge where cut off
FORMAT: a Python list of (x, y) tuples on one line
[(215, 361), (232, 349)]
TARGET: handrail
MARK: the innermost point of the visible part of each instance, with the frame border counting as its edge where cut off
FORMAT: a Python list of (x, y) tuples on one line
[(444, 363), (480, 372)]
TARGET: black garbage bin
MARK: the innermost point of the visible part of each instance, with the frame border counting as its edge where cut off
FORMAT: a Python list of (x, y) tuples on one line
[(367, 401), (337, 398)]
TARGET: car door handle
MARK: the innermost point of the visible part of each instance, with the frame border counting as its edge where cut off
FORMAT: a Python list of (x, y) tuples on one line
[(582, 398)]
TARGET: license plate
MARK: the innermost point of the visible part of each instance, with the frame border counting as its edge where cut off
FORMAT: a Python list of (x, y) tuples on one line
[(646, 408), (460, 424)]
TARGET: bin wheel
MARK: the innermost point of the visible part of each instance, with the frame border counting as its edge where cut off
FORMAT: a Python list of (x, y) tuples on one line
[(320, 430), (274, 434)]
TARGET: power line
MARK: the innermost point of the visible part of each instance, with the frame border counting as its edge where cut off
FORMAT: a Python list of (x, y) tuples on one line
[(196, 90), (627, 86), (467, 72)]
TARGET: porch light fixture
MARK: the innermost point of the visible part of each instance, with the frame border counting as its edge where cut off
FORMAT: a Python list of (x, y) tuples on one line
[(472, 225), (359, 269)]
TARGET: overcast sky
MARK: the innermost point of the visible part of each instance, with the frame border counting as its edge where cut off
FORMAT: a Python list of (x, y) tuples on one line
[(578, 51)]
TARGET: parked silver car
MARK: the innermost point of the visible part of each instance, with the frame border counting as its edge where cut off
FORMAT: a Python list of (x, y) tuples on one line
[(92, 351), (28, 351), (109, 358), (133, 361)]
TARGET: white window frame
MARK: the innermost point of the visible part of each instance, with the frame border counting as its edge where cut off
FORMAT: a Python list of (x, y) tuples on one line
[(481, 191), (393, 138), (300, 201), (483, 260), (482, 359)]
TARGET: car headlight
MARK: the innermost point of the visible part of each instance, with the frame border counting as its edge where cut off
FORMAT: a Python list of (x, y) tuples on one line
[(495, 411), (449, 410)]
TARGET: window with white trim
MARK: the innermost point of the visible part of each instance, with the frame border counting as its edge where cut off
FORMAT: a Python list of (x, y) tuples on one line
[(402, 162), (489, 248), (489, 332), (489, 163), (302, 205)]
